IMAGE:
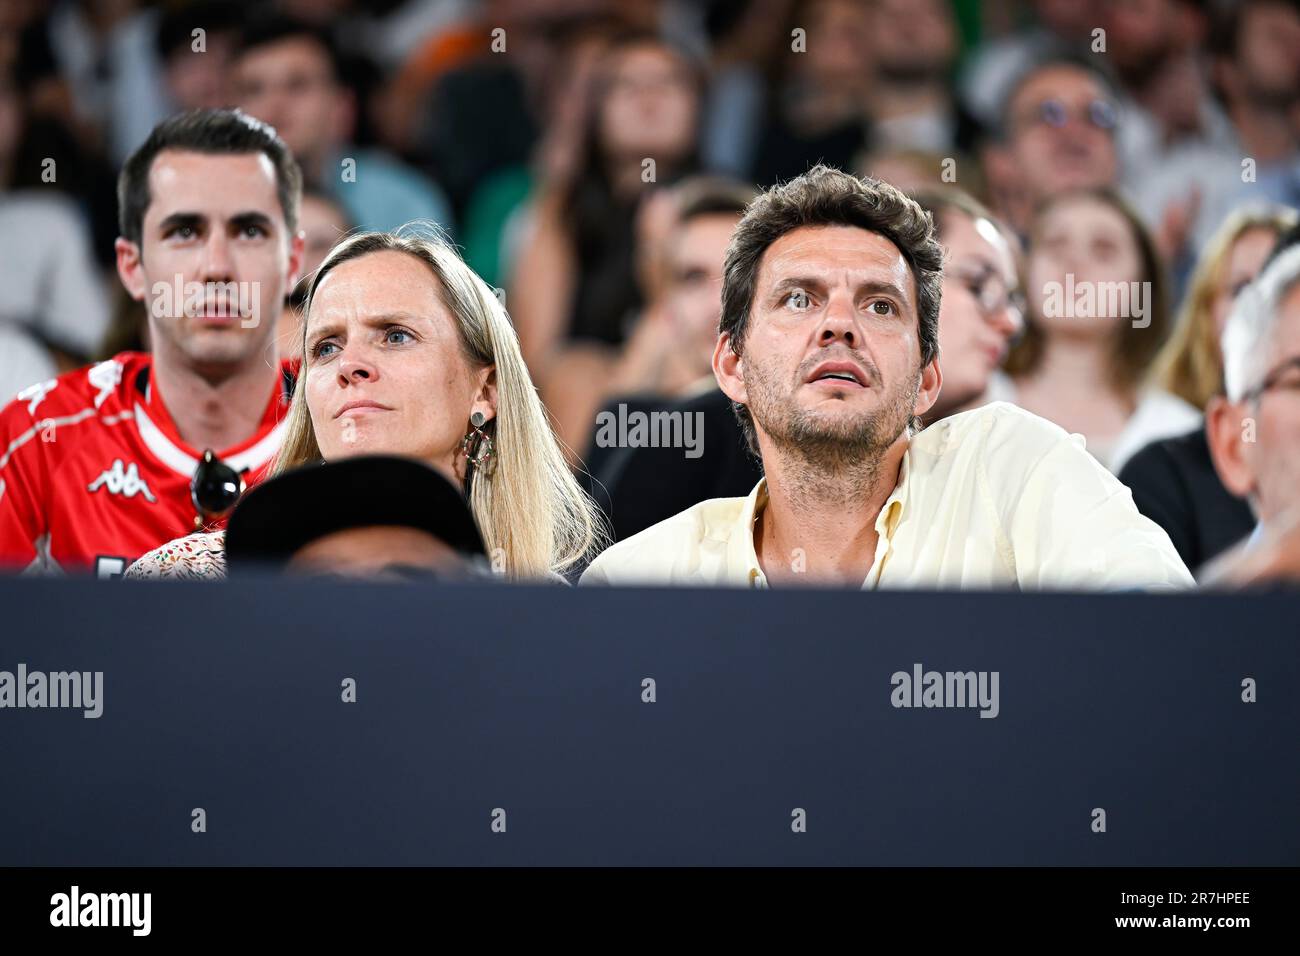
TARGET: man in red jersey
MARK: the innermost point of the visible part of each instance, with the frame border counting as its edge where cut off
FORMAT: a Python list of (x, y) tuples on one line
[(96, 465)]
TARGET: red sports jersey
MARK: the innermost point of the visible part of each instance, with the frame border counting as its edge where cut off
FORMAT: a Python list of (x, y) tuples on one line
[(93, 473)]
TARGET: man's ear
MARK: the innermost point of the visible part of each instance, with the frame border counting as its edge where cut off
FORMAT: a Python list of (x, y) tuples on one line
[(486, 399), (129, 268), (297, 252), (729, 370), (1230, 433), (928, 391)]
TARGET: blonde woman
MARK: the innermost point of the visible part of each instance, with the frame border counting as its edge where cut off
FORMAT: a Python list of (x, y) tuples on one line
[(1190, 365), (407, 352), (1173, 480)]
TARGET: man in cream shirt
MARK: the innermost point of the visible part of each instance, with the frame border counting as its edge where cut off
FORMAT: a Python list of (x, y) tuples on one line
[(829, 348)]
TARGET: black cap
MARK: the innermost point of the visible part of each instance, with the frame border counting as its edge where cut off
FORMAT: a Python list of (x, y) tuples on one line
[(279, 517)]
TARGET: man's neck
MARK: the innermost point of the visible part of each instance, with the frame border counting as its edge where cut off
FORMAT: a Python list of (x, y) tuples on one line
[(216, 411), (821, 524)]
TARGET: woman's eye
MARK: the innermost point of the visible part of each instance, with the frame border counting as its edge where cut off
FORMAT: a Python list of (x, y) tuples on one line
[(322, 349), (391, 334)]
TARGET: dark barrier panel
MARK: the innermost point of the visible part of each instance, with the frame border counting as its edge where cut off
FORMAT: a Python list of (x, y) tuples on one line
[(773, 712)]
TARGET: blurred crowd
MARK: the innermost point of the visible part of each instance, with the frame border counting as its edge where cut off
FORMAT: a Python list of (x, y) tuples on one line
[(590, 159)]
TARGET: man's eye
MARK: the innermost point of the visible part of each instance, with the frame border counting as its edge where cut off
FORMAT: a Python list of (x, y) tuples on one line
[(320, 350), (253, 232), (798, 299), (182, 232), (389, 336), (882, 307)]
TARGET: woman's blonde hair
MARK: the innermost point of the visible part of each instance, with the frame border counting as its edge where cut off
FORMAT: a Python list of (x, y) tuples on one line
[(1190, 365), (534, 517)]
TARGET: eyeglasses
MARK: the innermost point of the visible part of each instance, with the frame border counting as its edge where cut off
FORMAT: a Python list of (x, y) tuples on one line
[(214, 489), (1098, 113), (991, 293), (1274, 380)]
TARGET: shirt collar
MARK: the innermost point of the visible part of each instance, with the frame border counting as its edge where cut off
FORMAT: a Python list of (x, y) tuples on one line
[(742, 558)]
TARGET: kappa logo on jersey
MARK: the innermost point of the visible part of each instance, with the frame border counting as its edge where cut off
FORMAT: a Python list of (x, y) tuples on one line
[(105, 376), (33, 395), (126, 483)]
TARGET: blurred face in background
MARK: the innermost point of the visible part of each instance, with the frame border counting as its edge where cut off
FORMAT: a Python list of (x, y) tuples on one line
[(214, 220), (977, 316), (838, 30), (386, 372), (922, 39), (650, 105), (1242, 265), (1061, 132), (290, 84), (1092, 241), (1141, 34), (694, 297), (1267, 65), (200, 80), (322, 224)]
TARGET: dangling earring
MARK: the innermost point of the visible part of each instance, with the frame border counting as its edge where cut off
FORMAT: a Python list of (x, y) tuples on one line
[(477, 446)]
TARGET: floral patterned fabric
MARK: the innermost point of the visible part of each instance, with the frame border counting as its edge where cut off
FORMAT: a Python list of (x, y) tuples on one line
[(199, 557)]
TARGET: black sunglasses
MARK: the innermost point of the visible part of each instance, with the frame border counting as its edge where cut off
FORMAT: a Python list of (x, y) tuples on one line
[(214, 489)]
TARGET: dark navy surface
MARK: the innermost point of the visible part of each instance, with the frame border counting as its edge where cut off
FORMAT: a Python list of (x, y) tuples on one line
[(227, 697)]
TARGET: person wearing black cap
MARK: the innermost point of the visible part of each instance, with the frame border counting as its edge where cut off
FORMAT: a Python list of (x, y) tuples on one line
[(411, 522)]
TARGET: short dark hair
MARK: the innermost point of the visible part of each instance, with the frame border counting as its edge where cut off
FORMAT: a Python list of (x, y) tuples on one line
[(177, 25), (712, 196), (938, 200), (1224, 37), (216, 132), (265, 29), (830, 197)]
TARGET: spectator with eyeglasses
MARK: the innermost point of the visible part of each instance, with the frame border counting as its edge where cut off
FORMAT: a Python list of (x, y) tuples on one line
[(982, 308), (1058, 133), (1173, 480), (1254, 431)]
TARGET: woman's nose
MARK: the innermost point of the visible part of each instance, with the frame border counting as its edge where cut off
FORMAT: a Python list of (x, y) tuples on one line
[(355, 369)]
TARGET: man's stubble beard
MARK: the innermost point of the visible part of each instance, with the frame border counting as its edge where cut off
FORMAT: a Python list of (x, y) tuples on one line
[(213, 354), (841, 455)]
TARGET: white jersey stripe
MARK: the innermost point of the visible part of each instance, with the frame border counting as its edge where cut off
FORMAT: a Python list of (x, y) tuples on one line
[(45, 423), (260, 453), (163, 448), (183, 463)]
